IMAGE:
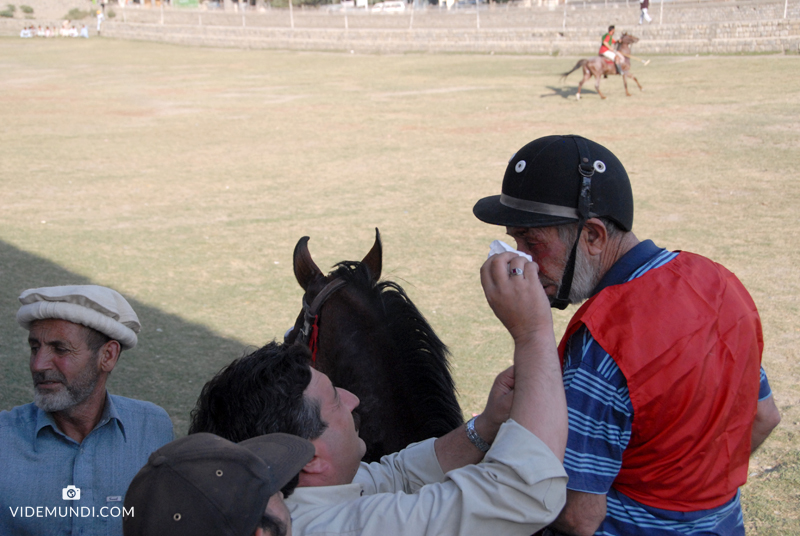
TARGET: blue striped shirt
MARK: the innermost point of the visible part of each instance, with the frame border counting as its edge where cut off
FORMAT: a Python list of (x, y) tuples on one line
[(600, 423)]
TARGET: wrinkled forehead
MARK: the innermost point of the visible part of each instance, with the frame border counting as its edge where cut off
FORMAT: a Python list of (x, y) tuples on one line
[(540, 234), (55, 328)]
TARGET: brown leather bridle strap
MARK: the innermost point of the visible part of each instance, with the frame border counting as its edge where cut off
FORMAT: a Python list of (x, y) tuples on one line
[(308, 335)]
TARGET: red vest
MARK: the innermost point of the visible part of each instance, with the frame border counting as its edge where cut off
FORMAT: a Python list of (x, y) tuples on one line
[(687, 338)]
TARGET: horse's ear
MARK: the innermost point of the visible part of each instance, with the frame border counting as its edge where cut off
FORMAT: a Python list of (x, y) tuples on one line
[(374, 258), (305, 269)]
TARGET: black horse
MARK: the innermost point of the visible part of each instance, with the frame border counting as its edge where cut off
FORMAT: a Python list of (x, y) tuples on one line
[(370, 339)]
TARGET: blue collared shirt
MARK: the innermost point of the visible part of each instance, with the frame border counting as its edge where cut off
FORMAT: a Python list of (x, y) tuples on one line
[(38, 462)]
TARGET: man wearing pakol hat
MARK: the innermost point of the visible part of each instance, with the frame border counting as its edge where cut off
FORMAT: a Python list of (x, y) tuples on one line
[(68, 457), (204, 485), (666, 395)]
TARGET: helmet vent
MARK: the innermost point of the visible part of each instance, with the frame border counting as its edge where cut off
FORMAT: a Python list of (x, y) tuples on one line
[(599, 166), (520, 167)]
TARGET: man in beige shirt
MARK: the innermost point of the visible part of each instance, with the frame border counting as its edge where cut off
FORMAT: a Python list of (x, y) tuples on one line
[(500, 473)]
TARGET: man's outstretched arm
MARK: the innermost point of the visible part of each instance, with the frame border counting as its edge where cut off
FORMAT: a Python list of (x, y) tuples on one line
[(519, 301)]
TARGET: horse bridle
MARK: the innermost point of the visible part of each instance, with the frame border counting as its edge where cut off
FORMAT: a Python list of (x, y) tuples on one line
[(309, 334)]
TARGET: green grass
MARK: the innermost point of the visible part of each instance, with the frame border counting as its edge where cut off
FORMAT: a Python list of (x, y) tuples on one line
[(183, 177)]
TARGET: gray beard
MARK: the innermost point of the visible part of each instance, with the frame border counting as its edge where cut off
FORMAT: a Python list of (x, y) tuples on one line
[(584, 279), (70, 394)]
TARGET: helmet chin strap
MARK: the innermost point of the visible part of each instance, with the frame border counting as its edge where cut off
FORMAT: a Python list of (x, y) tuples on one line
[(586, 169)]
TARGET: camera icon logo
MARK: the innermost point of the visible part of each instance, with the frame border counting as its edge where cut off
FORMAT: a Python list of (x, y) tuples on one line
[(71, 493)]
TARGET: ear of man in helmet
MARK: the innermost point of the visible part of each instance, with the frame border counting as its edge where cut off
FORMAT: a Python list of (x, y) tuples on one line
[(567, 202)]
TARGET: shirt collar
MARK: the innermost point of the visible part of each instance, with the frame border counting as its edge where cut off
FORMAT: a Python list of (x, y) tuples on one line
[(44, 419), (623, 269)]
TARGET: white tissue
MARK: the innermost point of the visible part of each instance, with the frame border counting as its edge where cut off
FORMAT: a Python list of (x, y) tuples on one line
[(498, 246)]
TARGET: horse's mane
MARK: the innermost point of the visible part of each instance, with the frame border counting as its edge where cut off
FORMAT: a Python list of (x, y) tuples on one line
[(421, 354)]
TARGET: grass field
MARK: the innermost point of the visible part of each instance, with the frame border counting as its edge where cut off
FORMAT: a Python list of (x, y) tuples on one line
[(183, 177)]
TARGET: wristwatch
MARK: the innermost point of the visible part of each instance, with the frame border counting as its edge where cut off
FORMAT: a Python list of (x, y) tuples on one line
[(474, 438)]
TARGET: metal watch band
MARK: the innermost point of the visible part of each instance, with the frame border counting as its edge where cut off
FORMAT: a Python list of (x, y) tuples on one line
[(474, 438)]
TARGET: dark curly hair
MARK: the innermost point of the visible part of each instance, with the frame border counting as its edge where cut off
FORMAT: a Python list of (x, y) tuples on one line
[(260, 393)]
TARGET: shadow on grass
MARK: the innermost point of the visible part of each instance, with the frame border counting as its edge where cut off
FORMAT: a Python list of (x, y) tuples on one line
[(564, 92), (770, 498), (169, 366)]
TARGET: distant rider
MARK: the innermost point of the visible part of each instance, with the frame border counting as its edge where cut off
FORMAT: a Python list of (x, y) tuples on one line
[(607, 50)]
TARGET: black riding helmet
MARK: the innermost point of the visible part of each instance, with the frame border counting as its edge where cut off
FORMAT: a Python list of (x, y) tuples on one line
[(558, 180)]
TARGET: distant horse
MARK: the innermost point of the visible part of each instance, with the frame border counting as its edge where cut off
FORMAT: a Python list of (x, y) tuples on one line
[(599, 66), (370, 339)]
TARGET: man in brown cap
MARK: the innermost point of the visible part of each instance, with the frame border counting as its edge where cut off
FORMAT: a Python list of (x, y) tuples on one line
[(203, 485), (69, 456)]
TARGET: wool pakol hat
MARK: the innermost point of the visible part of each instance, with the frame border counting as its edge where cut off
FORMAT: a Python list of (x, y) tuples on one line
[(93, 306), (542, 186), (203, 485)]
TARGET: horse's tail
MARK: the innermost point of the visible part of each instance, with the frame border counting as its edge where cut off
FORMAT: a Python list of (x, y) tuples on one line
[(577, 66)]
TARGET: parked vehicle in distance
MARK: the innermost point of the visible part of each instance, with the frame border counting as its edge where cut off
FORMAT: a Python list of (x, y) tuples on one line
[(344, 4), (392, 6), (466, 4)]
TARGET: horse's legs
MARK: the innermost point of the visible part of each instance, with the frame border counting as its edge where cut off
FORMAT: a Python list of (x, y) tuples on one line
[(625, 83), (586, 75), (637, 83), (597, 85)]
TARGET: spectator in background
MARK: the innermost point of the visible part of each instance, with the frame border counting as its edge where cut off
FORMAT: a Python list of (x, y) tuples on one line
[(645, 5)]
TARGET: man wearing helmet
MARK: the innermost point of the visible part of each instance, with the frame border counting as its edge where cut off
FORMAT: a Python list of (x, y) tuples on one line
[(662, 372)]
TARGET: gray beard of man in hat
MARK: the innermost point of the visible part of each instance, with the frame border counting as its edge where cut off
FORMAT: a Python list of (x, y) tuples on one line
[(75, 391), (69, 370)]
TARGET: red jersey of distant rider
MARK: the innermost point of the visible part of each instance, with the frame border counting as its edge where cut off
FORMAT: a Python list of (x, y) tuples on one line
[(608, 42), (677, 333)]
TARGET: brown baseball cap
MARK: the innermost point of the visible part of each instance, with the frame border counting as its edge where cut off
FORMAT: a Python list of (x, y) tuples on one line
[(203, 484)]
